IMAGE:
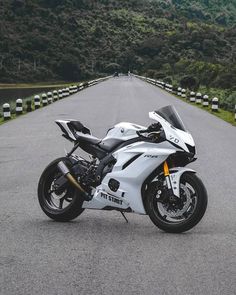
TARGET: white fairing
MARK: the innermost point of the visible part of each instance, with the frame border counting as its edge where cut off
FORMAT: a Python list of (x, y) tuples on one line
[(64, 124), (131, 177), (135, 162), (124, 131), (177, 136)]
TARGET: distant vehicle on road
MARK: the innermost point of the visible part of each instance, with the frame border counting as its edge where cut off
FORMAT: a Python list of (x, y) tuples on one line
[(116, 74)]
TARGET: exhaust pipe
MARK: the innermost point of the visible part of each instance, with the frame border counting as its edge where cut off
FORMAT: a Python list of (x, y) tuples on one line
[(66, 173)]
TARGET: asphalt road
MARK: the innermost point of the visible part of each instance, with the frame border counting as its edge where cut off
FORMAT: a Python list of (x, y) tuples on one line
[(99, 253)]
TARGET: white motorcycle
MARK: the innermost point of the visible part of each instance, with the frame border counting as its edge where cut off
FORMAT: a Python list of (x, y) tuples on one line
[(133, 169)]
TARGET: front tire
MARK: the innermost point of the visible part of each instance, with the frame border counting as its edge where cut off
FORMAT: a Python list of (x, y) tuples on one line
[(61, 205), (176, 219)]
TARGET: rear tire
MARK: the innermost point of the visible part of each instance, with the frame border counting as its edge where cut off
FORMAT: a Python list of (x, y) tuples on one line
[(63, 205), (190, 185)]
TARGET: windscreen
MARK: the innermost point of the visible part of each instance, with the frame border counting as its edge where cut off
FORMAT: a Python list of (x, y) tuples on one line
[(170, 114)]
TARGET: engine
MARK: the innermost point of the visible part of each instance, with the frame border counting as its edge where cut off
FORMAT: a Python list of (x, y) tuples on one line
[(84, 171)]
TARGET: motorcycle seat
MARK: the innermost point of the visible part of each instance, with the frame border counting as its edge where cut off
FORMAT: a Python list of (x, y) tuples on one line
[(107, 145), (87, 138)]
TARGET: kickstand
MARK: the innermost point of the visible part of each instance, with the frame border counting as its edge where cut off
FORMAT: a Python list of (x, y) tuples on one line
[(124, 216)]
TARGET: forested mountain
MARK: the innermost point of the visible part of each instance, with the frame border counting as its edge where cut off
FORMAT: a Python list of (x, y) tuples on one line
[(48, 40)]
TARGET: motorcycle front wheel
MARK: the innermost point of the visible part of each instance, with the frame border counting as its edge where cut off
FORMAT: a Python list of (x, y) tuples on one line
[(181, 216), (62, 204)]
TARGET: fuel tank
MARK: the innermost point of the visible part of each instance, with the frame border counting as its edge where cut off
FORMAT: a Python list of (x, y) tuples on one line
[(123, 131)]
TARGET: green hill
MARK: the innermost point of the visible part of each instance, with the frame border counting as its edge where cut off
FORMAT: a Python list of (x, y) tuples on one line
[(49, 40)]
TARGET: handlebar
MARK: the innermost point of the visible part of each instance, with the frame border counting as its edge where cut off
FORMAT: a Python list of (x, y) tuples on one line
[(155, 132), (152, 128)]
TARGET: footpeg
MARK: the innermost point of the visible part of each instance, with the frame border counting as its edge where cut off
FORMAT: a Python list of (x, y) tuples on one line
[(87, 197)]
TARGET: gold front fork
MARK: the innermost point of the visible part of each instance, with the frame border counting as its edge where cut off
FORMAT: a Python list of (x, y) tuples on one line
[(167, 175), (166, 169)]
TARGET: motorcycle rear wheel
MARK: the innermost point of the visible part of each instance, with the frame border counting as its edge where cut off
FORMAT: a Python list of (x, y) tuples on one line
[(176, 220), (63, 205)]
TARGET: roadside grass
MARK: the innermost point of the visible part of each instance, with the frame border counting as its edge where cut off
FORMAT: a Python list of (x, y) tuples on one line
[(35, 85), (222, 114), (24, 100), (228, 116), (1, 121), (12, 104), (14, 116)]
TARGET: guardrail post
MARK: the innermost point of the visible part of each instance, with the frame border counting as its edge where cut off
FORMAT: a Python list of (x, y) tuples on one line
[(198, 98), (205, 100), (6, 111), (183, 93), (179, 91), (37, 102), (192, 96), (29, 105), (60, 94), (19, 106), (44, 99), (55, 95), (49, 95), (71, 90), (215, 104)]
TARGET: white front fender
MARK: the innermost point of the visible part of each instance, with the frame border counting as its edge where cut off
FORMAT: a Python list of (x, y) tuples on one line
[(175, 174)]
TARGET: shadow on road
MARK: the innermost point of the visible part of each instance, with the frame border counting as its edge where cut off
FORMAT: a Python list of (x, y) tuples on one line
[(99, 225)]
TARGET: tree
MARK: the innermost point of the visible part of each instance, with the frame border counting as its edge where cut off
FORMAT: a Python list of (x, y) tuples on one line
[(68, 68), (189, 82), (112, 67), (208, 47)]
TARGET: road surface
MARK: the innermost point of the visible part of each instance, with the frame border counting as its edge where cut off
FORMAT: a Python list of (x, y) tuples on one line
[(99, 253)]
